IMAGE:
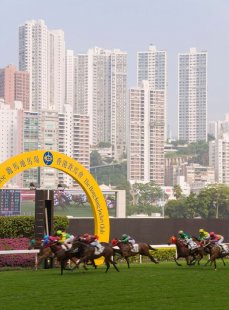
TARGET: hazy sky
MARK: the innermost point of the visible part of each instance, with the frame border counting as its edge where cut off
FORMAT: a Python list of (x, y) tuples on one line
[(131, 25)]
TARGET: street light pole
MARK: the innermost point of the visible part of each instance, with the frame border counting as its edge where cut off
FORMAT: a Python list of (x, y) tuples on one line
[(217, 211)]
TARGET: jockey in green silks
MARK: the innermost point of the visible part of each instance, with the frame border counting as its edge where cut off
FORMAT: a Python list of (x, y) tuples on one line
[(187, 239)]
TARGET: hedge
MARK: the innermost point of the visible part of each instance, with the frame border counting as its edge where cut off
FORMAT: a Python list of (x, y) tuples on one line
[(23, 226), (161, 255)]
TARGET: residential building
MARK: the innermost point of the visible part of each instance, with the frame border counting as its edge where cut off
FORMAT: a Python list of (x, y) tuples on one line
[(31, 143), (73, 140), (146, 135), (198, 176), (192, 96), (217, 128), (56, 70), (70, 78), (101, 92), (11, 119), (42, 54), (219, 158), (14, 86), (152, 66)]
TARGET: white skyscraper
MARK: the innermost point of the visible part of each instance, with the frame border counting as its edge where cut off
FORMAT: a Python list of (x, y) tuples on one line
[(152, 66), (101, 92), (73, 140), (219, 158), (42, 54), (146, 135), (56, 70), (11, 135), (192, 96), (70, 78)]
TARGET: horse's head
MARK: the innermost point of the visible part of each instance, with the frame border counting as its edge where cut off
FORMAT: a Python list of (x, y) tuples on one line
[(172, 240), (35, 244)]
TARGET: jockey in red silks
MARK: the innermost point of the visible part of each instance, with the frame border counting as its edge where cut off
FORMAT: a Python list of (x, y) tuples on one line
[(92, 240), (217, 239)]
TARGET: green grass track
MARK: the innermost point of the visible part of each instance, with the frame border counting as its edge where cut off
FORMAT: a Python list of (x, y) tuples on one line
[(146, 286)]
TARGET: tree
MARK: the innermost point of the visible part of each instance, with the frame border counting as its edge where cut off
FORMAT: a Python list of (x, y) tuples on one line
[(213, 201), (177, 191), (95, 159), (145, 197), (175, 209)]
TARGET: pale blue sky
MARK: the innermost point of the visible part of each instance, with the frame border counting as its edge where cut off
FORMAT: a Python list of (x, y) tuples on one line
[(131, 25)]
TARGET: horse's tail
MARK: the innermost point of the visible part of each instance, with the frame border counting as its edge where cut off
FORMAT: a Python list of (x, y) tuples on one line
[(151, 248)]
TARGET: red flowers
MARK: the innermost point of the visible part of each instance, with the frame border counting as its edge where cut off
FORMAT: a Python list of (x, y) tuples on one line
[(15, 260)]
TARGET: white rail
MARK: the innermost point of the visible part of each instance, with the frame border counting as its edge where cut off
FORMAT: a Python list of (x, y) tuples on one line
[(9, 252)]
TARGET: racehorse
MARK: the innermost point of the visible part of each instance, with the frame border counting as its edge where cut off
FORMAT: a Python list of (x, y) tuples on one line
[(126, 250), (87, 253), (184, 252), (215, 252), (45, 252), (206, 247)]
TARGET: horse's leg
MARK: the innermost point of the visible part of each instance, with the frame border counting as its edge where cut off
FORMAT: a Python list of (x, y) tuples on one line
[(93, 263), (107, 264), (152, 259), (193, 260), (201, 256), (176, 258), (127, 261), (223, 261), (113, 263), (62, 265), (39, 260)]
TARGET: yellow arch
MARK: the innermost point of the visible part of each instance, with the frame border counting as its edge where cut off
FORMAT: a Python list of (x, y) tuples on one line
[(44, 158)]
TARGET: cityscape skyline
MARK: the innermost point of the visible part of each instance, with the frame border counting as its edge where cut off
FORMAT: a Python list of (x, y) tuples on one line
[(87, 24)]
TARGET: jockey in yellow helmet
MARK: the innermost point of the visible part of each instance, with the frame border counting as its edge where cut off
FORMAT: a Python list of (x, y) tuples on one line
[(203, 235)]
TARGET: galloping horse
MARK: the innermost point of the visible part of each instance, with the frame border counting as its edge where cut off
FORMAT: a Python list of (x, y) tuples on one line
[(215, 252), (45, 252), (184, 252), (126, 250), (87, 252)]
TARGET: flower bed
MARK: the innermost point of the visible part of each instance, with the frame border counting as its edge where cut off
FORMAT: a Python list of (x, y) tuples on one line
[(15, 260)]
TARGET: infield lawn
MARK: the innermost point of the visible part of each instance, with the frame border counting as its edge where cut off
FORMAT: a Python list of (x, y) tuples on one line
[(146, 286)]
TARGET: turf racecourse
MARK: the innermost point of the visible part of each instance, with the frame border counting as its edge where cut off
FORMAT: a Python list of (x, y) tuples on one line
[(146, 286)]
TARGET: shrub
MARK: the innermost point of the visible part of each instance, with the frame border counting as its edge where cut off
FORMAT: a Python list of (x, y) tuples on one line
[(161, 255), (23, 226)]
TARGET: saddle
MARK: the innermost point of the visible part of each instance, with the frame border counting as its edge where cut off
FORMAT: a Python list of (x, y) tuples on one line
[(135, 248), (99, 250)]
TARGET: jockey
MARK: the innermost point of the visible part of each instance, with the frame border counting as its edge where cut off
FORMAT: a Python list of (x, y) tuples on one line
[(203, 235), (92, 240), (127, 239), (187, 239), (68, 242), (217, 239), (63, 236), (47, 239)]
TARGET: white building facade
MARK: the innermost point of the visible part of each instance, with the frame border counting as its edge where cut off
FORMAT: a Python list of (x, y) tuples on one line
[(152, 65), (219, 158), (146, 116), (192, 96), (42, 54), (101, 93)]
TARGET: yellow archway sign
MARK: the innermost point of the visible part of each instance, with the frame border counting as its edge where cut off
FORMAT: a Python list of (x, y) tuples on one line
[(44, 158)]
